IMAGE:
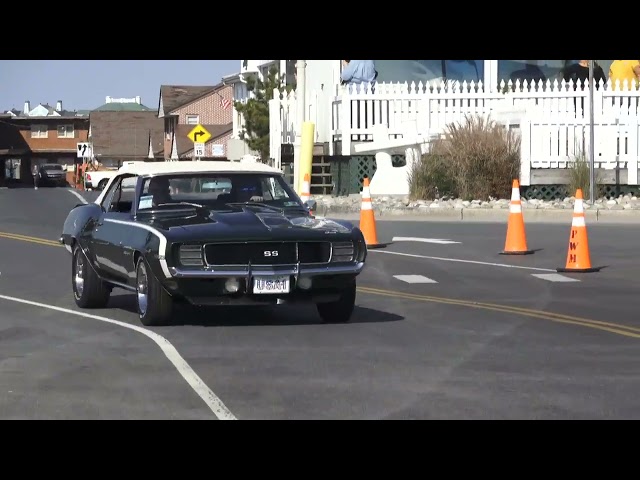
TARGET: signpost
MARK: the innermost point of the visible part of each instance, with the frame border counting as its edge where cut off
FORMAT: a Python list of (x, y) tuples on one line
[(198, 149), (199, 136), (84, 150)]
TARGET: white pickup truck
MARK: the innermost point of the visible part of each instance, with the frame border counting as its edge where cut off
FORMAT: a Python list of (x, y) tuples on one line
[(98, 179)]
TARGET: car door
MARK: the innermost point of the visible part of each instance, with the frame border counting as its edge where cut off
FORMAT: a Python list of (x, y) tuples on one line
[(109, 233)]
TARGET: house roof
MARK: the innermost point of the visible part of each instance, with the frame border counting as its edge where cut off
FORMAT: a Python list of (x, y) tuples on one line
[(184, 144), (122, 107), (11, 141), (125, 134), (175, 96), (63, 116)]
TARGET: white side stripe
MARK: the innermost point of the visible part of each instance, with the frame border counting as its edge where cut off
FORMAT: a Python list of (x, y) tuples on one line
[(162, 249)]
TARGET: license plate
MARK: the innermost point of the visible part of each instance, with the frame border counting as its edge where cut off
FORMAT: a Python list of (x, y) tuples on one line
[(271, 284)]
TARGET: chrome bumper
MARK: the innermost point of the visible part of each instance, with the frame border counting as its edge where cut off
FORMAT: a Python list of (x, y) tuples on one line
[(249, 271)]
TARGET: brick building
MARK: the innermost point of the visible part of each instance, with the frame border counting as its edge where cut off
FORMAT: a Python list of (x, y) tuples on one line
[(43, 134), (184, 107)]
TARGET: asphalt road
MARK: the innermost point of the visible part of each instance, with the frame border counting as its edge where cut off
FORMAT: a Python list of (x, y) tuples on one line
[(474, 342)]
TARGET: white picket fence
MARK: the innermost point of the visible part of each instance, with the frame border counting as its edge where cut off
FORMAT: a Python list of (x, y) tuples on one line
[(554, 112)]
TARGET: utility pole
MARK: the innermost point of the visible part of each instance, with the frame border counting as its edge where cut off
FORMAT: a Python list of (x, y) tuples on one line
[(592, 186)]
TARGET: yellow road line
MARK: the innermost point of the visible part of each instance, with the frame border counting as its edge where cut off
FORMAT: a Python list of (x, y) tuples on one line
[(616, 328), (26, 238)]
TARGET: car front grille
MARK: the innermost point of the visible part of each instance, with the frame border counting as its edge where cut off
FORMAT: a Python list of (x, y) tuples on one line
[(267, 253)]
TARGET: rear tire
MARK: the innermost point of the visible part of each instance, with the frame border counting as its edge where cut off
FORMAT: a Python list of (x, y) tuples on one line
[(102, 184), (89, 291), (155, 305), (341, 310)]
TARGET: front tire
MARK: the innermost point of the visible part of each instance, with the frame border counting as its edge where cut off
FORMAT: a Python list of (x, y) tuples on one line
[(155, 305), (89, 291), (341, 310)]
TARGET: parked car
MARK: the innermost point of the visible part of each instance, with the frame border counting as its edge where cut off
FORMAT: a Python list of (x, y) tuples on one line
[(52, 174), (155, 231)]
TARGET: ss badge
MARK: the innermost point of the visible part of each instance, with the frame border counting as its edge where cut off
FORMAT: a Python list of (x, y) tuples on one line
[(270, 253)]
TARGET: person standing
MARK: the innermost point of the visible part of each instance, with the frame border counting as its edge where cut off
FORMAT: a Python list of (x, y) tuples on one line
[(578, 74), (357, 72), (35, 171), (622, 70)]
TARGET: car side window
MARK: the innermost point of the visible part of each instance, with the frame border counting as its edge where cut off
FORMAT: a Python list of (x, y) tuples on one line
[(106, 201), (120, 198)]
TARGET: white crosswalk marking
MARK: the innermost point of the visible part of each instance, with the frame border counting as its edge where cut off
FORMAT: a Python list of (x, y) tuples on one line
[(414, 279), (554, 277)]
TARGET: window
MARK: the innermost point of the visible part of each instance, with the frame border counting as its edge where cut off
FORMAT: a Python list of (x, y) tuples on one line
[(429, 70), (120, 196), (527, 70), (39, 131), (193, 119), (66, 131), (215, 192)]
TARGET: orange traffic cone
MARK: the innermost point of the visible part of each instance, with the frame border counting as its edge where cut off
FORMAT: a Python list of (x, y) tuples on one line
[(305, 190), (578, 257), (516, 241), (368, 219)]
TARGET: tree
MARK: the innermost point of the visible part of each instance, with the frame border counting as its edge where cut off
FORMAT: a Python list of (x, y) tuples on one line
[(256, 111)]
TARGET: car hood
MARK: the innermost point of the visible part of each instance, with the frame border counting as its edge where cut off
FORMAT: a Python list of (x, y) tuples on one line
[(248, 224)]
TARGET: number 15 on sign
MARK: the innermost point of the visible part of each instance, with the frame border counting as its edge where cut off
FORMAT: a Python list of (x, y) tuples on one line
[(198, 149)]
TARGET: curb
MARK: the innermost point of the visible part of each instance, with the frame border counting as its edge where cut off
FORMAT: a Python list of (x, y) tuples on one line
[(486, 215)]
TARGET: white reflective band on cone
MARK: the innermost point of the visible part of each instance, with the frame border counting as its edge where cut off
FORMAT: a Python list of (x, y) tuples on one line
[(515, 194), (515, 208), (578, 222), (367, 206), (578, 207), (365, 192)]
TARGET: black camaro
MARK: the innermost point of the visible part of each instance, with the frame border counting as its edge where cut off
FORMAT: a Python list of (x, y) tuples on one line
[(210, 233)]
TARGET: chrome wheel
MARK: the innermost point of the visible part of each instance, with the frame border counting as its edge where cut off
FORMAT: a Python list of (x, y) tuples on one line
[(143, 288), (78, 278)]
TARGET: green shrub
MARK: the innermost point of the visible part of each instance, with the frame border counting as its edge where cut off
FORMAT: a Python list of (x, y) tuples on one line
[(431, 176), (579, 177), (476, 159)]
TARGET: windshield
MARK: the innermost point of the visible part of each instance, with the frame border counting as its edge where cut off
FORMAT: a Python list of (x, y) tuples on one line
[(217, 191)]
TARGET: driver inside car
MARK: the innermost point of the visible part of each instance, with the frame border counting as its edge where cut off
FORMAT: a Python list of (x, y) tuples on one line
[(160, 190), (247, 191)]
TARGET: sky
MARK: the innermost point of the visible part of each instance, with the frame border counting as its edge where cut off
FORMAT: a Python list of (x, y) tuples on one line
[(84, 84)]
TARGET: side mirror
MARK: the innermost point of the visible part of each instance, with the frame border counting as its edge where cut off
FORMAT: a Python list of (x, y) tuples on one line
[(311, 205)]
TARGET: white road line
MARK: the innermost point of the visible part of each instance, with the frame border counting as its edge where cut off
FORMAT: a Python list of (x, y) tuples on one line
[(440, 241), (82, 199), (554, 277), (414, 279), (460, 260), (192, 378)]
